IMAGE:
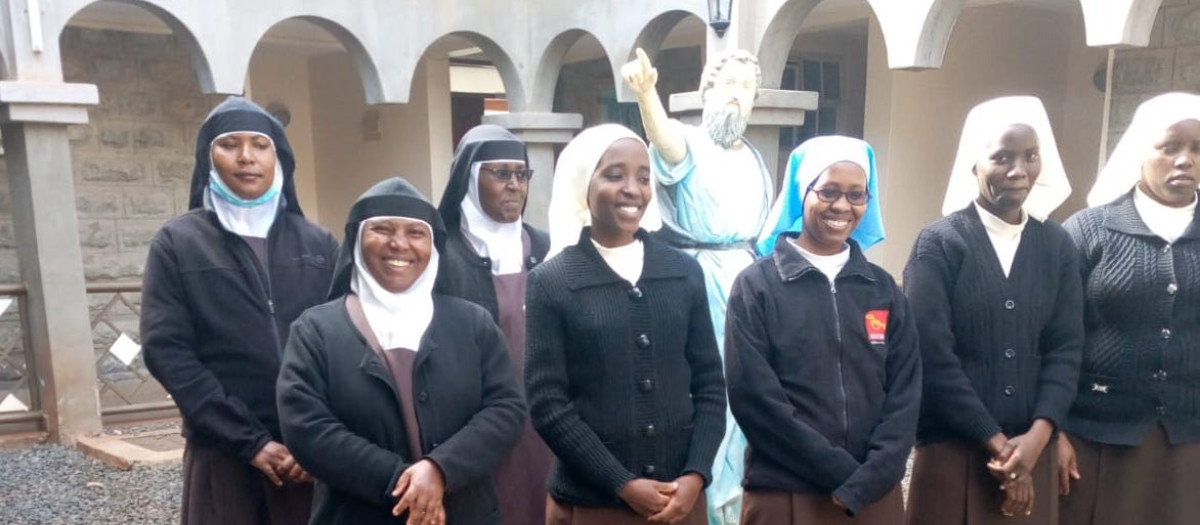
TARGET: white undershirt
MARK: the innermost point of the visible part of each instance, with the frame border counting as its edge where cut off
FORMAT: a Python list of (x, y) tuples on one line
[(1165, 221), (830, 265), (626, 260), (1005, 237)]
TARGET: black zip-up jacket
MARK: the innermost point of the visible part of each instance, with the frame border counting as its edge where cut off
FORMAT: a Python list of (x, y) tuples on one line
[(214, 325), (824, 379), (213, 321)]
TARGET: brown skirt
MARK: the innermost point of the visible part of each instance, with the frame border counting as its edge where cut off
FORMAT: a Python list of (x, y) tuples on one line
[(1155, 482), (764, 507), (566, 514), (218, 489), (951, 485)]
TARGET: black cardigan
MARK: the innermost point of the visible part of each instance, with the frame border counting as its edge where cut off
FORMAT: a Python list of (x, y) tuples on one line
[(825, 381), (213, 324), (1141, 359), (341, 417), (623, 382), (998, 352), (463, 273)]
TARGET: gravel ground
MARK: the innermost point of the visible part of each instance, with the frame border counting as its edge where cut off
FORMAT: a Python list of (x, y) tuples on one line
[(52, 485)]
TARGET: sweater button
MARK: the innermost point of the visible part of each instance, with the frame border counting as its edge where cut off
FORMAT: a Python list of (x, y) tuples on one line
[(1166, 248), (648, 470), (1010, 353), (422, 397), (532, 261), (1172, 288), (635, 293), (1010, 390), (643, 340), (485, 262), (645, 386), (649, 430), (1009, 304), (1160, 375), (1162, 410), (1166, 333)]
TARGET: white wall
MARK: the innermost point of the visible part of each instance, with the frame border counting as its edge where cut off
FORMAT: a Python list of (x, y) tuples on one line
[(409, 145), (281, 77), (914, 118)]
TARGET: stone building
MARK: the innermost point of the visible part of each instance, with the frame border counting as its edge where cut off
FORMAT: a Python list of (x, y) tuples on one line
[(100, 102)]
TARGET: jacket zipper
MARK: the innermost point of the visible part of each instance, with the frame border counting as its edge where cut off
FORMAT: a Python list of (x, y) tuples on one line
[(264, 283), (837, 323)]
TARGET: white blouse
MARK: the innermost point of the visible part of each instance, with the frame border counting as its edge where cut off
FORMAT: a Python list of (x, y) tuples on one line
[(1165, 221), (1005, 237), (626, 260)]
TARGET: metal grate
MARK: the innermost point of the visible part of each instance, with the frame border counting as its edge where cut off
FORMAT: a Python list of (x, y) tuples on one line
[(18, 386), (124, 383)]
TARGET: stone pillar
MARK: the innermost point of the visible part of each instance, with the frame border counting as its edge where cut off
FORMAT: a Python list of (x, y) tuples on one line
[(34, 119), (773, 109), (541, 133)]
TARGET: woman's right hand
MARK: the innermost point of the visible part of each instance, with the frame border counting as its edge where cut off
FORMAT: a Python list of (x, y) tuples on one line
[(420, 489), (647, 497), (1068, 468), (1018, 496), (999, 449)]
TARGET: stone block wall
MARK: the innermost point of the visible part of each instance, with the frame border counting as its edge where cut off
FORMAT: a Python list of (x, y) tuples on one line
[(1170, 63), (133, 160)]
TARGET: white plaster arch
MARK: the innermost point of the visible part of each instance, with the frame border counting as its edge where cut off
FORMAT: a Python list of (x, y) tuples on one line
[(368, 72), (1119, 22), (916, 31), (650, 39), (550, 66), (174, 19), (776, 41), (510, 74)]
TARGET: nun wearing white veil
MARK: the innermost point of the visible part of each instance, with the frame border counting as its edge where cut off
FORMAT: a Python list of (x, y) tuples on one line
[(995, 289), (621, 366), (1132, 438)]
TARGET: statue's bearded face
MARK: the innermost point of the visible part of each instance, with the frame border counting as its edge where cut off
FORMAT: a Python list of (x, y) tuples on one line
[(728, 103)]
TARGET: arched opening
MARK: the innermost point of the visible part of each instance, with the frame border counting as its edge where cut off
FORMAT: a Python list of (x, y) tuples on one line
[(463, 76), (316, 78), (827, 55), (133, 164), (589, 81)]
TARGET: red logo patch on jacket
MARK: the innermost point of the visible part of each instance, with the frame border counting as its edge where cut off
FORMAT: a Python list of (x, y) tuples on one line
[(876, 321)]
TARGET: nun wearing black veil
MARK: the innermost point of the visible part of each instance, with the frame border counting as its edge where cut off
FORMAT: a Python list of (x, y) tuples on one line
[(401, 402), (489, 252)]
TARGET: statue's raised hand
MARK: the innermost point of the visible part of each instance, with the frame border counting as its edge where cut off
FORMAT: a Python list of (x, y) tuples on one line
[(639, 74)]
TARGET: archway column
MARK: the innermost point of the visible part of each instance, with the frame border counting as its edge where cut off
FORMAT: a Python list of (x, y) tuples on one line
[(541, 133), (33, 121), (774, 108)]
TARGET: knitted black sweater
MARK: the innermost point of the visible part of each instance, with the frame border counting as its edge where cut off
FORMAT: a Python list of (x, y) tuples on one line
[(1141, 358), (623, 381), (997, 352)]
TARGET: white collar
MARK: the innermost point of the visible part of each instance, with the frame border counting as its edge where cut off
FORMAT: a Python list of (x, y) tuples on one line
[(997, 227), (1164, 221)]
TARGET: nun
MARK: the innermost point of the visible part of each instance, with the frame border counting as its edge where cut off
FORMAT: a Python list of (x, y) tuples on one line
[(222, 283), (400, 401), (995, 290), (621, 366), (1132, 438), (488, 254), (821, 352)]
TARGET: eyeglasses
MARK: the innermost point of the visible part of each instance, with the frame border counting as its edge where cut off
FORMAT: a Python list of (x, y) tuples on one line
[(831, 195), (507, 175)]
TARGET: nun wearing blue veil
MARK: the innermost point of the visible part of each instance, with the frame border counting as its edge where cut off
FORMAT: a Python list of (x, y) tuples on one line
[(821, 354)]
